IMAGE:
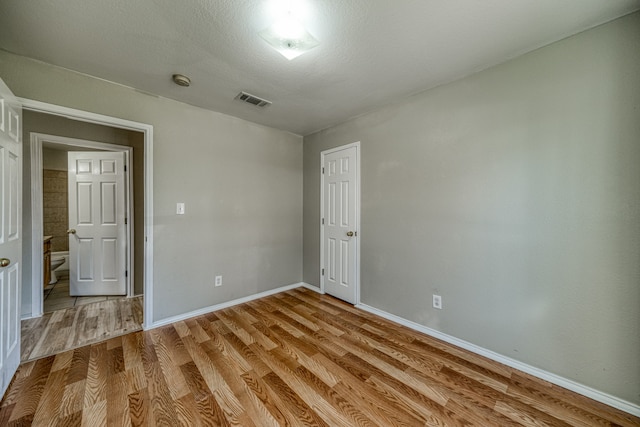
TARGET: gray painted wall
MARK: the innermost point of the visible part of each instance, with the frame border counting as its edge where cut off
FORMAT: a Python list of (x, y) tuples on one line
[(53, 159), (241, 182), (515, 195)]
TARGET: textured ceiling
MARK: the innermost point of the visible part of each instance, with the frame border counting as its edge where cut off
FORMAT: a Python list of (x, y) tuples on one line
[(372, 52)]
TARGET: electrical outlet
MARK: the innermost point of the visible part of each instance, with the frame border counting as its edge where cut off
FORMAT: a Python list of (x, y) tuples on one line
[(180, 208), (437, 302), (218, 280)]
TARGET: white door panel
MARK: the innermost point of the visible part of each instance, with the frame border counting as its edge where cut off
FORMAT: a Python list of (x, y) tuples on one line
[(340, 223), (97, 214), (10, 234)]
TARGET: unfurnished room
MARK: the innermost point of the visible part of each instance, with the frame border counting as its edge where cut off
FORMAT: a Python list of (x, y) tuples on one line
[(320, 213)]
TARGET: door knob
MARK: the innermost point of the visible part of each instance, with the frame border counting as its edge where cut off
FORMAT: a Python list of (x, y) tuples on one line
[(350, 233), (4, 262), (71, 231)]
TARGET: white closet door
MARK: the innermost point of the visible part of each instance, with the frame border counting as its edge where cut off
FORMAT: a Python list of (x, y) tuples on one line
[(340, 233)]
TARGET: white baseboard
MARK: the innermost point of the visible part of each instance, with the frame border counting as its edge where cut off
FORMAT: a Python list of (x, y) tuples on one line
[(209, 309), (311, 287), (594, 394), (28, 316)]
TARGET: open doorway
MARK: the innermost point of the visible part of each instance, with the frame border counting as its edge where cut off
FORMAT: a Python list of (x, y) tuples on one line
[(84, 194), (48, 140)]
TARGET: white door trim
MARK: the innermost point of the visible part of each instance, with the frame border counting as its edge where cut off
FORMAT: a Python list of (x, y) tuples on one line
[(357, 197), (37, 210), (147, 130)]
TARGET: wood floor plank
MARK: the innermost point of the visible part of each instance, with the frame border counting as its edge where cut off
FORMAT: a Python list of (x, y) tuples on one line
[(73, 399), (351, 413), (27, 401), (525, 416), (421, 408), (303, 353), (270, 319), (49, 405), (31, 333), (187, 412), (168, 364), (195, 381), (75, 316), (600, 409), (163, 411), (195, 328), (293, 402), (72, 420), (211, 413), (136, 379), (232, 375), (271, 401), (220, 344), (255, 363), (117, 399), (139, 408), (97, 373), (205, 365), (292, 359), (297, 389), (132, 348), (95, 415), (248, 327)]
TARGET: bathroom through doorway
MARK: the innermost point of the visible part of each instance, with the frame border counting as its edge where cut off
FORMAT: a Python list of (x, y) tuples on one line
[(48, 138)]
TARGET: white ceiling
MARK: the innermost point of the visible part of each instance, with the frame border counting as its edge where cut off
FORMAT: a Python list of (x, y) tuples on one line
[(372, 52)]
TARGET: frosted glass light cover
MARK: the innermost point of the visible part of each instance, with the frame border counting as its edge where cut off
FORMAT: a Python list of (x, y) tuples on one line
[(289, 39)]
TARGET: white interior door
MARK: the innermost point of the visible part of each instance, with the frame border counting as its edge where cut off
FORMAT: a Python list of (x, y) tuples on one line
[(339, 218), (10, 234), (97, 232)]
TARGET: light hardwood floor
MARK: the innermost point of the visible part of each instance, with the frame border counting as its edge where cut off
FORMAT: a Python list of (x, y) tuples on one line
[(78, 326), (296, 358)]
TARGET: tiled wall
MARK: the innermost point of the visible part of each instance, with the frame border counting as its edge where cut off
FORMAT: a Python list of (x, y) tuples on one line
[(55, 208)]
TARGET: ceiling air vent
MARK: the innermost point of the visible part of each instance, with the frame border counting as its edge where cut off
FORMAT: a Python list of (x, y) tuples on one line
[(252, 99)]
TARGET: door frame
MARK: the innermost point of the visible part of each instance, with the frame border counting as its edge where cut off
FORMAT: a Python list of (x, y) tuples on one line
[(357, 197), (37, 208), (147, 131)]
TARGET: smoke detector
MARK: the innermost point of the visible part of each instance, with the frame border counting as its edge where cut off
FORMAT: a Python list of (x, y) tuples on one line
[(181, 80), (252, 99)]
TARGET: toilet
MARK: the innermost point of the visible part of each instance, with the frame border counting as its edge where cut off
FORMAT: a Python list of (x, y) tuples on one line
[(55, 263)]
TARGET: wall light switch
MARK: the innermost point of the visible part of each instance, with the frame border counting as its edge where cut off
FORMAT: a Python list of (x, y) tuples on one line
[(180, 208)]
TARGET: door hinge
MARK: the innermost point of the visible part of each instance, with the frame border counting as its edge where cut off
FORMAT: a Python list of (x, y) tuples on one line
[(323, 271), (323, 171), (125, 168), (125, 221), (322, 221), (126, 273)]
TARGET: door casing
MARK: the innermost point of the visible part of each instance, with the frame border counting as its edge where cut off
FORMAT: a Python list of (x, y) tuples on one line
[(357, 200), (147, 131)]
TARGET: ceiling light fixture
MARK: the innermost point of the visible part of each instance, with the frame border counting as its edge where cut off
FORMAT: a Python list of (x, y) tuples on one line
[(289, 37)]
